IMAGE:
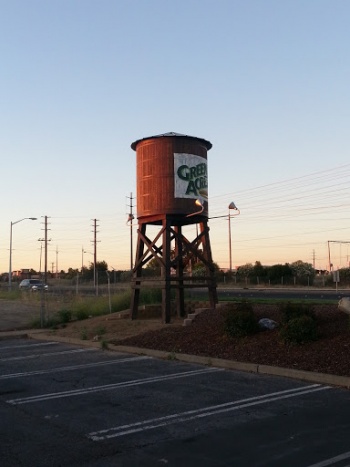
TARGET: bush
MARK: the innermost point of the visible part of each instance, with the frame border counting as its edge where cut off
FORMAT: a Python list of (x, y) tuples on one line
[(244, 305), (299, 330), (64, 316), (296, 310), (81, 314), (151, 296), (241, 321)]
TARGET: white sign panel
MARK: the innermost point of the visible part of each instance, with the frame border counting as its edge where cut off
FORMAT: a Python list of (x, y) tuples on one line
[(190, 176)]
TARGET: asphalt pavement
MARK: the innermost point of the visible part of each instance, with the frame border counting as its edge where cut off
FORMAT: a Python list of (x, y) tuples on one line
[(64, 404)]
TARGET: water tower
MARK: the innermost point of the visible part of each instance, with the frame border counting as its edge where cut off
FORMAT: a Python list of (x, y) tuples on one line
[(172, 194)]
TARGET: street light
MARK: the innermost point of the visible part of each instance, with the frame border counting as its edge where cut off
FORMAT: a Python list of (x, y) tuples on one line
[(200, 205), (130, 219), (82, 257), (231, 206), (10, 262)]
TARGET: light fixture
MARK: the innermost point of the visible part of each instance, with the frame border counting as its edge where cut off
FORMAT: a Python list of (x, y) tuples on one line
[(197, 203), (10, 261), (231, 206), (130, 219)]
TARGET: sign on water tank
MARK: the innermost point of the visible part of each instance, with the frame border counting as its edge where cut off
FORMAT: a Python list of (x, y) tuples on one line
[(190, 176)]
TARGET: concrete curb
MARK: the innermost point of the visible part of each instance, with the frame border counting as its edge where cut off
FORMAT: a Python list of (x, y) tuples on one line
[(309, 376)]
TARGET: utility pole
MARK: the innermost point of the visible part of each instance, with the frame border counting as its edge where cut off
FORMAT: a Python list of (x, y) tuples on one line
[(41, 252), (130, 219), (45, 276), (45, 240), (95, 250), (313, 259), (329, 251), (57, 261)]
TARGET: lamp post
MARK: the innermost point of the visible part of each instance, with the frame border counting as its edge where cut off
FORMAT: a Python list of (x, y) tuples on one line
[(82, 258), (231, 206), (130, 219), (10, 261)]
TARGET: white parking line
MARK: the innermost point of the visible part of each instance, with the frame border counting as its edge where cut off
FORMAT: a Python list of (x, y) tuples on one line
[(72, 367), (50, 354), (332, 461), (201, 413), (23, 346), (108, 387)]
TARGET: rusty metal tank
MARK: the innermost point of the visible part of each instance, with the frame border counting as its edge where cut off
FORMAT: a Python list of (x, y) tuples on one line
[(172, 176)]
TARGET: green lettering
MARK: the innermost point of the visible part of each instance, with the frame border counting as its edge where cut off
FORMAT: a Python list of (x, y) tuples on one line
[(183, 172), (191, 188), (193, 173)]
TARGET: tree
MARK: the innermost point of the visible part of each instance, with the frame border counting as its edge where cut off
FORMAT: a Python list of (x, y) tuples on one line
[(304, 272), (245, 270), (72, 273), (279, 273), (101, 269), (259, 270)]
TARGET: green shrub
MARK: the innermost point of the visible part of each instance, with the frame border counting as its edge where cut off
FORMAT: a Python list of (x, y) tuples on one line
[(244, 305), (299, 330), (104, 344), (101, 330), (150, 296), (35, 323), (51, 322), (65, 316), (295, 310), (240, 323), (81, 314), (121, 301)]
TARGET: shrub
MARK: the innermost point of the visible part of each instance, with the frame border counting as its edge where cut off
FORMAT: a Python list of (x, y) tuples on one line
[(104, 344), (52, 322), (64, 316), (299, 330), (150, 296), (81, 314), (244, 305), (240, 322), (101, 330), (295, 310)]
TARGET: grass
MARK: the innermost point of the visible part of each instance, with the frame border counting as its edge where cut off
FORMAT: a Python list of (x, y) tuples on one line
[(104, 344), (270, 301), (81, 308), (7, 295)]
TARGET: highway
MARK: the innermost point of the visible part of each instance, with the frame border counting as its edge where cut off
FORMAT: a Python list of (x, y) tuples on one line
[(305, 293)]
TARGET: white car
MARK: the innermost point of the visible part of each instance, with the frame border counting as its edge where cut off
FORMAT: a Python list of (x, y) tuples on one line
[(33, 284)]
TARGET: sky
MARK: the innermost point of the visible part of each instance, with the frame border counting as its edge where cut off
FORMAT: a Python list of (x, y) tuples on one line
[(265, 81)]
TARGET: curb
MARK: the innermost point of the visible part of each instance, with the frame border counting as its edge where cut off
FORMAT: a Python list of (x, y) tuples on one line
[(302, 375)]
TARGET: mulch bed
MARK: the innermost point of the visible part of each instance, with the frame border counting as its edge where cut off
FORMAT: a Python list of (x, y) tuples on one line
[(206, 337)]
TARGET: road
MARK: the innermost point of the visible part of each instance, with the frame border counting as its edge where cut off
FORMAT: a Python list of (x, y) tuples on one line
[(280, 294), (65, 405)]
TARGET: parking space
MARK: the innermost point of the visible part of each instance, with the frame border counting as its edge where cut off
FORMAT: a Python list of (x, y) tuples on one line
[(65, 405)]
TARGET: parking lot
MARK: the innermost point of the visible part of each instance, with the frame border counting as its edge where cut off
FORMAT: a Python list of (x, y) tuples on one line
[(62, 405)]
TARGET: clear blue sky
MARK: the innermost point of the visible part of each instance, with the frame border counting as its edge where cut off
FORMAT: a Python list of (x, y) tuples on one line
[(267, 82)]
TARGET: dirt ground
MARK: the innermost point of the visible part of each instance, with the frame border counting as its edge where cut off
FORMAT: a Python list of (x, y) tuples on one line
[(16, 314), (206, 337), (112, 327)]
